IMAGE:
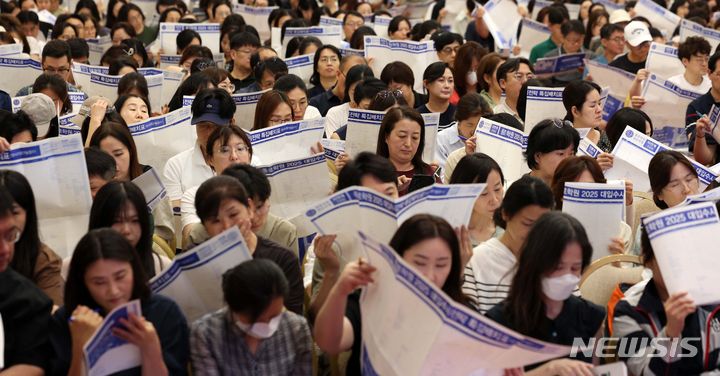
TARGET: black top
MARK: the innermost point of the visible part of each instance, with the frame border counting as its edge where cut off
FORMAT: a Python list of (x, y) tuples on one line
[(420, 99), (446, 118), (239, 84), (352, 312), (252, 88), (325, 101), (472, 34), (288, 262), (315, 91), (698, 107), (625, 64), (578, 319), (25, 312), (163, 313)]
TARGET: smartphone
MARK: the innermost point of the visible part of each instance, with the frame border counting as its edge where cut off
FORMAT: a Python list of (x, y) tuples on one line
[(420, 181)]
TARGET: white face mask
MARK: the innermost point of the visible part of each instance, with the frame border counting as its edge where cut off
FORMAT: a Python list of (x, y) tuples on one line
[(561, 287), (261, 330), (472, 78)]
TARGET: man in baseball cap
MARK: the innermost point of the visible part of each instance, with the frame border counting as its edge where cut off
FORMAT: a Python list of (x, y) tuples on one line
[(211, 108), (637, 40)]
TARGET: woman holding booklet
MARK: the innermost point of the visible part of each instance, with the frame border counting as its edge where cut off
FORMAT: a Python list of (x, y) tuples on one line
[(106, 272), (122, 206), (427, 243), (540, 302), (401, 139), (649, 312), (491, 268), (587, 170), (550, 142), (481, 168), (584, 109), (222, 202)]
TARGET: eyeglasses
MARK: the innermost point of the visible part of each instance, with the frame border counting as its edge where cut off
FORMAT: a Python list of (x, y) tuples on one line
[(53, 70), (227, 86), (226, 150), (560, 123), (385, 94), (11, 236), (331, 59), (448, 49), (523, 76), (355, 24), (246, 52), (618, 40)]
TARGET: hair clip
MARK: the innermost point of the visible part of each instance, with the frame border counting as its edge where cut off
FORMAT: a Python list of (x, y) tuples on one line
[(130, 52)]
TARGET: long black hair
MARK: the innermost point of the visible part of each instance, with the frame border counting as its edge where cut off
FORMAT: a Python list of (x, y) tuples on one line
[(524, 308), (28, 246), (101, 244), (110, 203)]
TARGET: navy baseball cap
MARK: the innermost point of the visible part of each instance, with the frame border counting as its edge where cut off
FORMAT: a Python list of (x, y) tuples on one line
[(210, 113)]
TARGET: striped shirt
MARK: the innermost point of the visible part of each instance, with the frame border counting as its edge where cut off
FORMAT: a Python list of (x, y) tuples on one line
[(218, 347), (488, 274)]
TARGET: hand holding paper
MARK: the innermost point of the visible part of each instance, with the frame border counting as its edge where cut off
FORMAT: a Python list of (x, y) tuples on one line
[(106, 353)]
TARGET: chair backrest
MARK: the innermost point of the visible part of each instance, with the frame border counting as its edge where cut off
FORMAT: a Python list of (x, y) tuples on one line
[(602, 276)]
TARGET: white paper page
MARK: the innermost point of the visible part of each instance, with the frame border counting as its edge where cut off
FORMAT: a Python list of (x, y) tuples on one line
[(327, 34), (661, 18), (612, 105), (245, 105), (711, 195), (158, 139), (152, 188), (18, 73), (689, 29), (297, 184), (600, 208), (418, 8), (381, 26), (107, 354), (97, 47), (330, 21), (668, 121), (634, 151), (351, 52), (417, 55), (683, 239), (276, 38), (616, 79), (551, 66), (257, 17), (418, 330), (155, 79), (432, 121), (66, 126), (543, 103), (286, 141), (82, 72), (505, 145), (169, 60), (209, 33), (663, 61), (362, 131), (457, 200), (587, 147), (11, 50), (194, 278), (56, 171), (301, 66), (532, 33), (333, 148), (170, 84), (502, 19)]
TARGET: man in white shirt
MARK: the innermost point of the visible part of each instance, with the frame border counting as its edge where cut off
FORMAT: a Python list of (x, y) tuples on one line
[(694, 53), (511, 75), (211, 108)]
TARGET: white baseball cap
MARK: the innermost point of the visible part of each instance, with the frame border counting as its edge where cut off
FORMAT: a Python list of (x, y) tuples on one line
[(637, 32)]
